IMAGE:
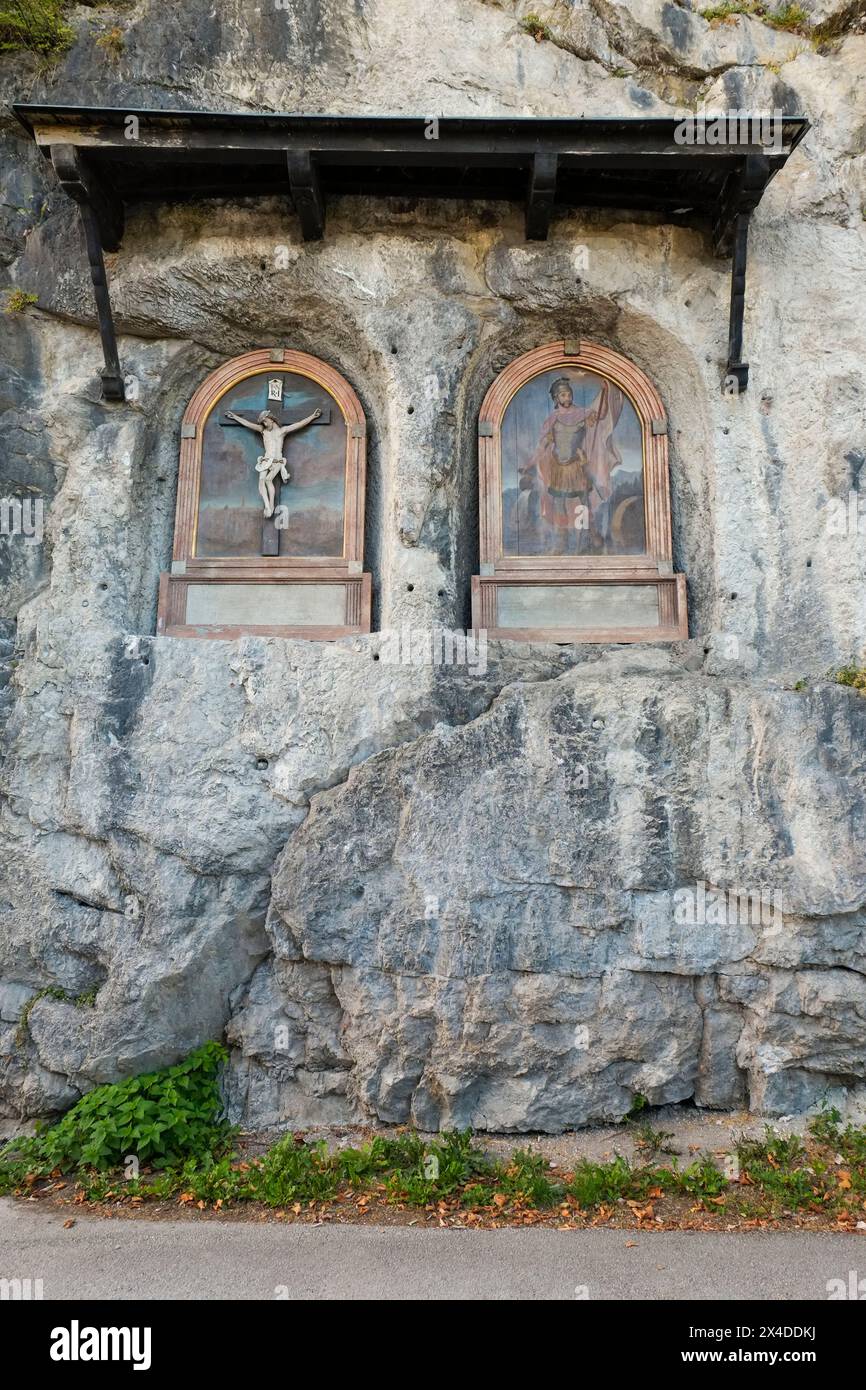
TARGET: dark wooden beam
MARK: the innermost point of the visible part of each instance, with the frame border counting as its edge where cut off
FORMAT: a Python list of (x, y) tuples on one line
[(608, 162), (740, 196), (306, 194), (742, 192), (82, 181), (737, 371), (101, 218), (541, 195)]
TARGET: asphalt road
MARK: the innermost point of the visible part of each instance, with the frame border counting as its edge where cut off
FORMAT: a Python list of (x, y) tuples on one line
[(132, 1259)]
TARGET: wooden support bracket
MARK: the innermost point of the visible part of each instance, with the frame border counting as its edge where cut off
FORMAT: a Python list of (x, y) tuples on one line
[(541, 195), (102, 220), (306, 194), (741, 196)]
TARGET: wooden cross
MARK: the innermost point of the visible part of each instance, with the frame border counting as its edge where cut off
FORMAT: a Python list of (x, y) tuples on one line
[(274, 404)]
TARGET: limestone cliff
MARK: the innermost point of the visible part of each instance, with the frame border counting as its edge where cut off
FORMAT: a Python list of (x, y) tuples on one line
[(388, 884)]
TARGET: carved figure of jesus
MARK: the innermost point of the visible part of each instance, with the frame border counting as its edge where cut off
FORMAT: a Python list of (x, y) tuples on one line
[(271, 462)]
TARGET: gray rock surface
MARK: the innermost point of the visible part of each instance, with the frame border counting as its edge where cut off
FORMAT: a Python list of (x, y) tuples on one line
[(437, 894)]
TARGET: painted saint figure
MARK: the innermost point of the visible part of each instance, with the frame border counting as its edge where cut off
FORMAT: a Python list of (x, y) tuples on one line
[(271, 462), (568, 474)]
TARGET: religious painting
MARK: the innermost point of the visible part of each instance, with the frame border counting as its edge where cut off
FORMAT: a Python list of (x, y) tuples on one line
[(574, 505), (306, 428), (269, 530), (572, 468)]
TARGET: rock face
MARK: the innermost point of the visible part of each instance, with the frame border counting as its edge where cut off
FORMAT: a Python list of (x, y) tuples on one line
[(515, 917), (515, 894)]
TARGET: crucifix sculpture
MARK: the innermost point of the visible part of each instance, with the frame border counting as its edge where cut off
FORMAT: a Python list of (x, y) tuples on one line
[(271, 465)]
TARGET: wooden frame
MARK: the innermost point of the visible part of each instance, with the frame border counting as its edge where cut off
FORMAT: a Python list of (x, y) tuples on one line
[(331, 573), (653, 567)]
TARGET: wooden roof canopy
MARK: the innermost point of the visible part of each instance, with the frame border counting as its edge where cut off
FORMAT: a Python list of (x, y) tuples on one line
[(104, 159)]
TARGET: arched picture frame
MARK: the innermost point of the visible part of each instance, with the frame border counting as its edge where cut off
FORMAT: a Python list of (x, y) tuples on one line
[(269, 524), (575, 529)]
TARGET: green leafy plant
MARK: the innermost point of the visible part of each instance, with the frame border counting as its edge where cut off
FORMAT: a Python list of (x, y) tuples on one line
[(594, 1183), (527, 1179), (850, 1142), (775, 1149), (161, 1118), (826, 1124), (291, 1172), (37, 25), (702, 1178), (777, 1165), (476, 1195), (187, 1155), (437, 1170), (653, 1141)]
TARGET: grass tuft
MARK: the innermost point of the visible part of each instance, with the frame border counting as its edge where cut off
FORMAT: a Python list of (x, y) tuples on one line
[(851, 675), (19, 300), (535, 26), (794, 19)]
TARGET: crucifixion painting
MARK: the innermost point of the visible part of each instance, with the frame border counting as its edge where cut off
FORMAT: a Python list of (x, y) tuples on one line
[(272, 461), (251, 554), (266, 432)]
